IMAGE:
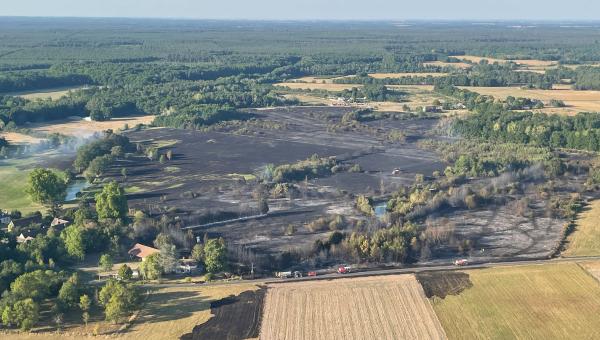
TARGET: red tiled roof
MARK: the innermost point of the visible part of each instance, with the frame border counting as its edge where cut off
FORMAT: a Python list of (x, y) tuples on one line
[(142, 251)]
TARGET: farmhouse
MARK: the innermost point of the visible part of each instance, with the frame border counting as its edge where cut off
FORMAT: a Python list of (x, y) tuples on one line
[(59, 224), (4, 218), (34, 220), (24, 239), (141, 251)]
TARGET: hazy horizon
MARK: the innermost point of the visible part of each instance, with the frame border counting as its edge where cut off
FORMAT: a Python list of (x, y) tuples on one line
[(307, 10)]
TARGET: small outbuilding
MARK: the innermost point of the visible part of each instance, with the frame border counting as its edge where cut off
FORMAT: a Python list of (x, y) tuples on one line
[(35, 220)]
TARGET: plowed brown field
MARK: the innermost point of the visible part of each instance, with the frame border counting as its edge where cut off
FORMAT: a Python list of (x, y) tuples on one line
[(386, 307)]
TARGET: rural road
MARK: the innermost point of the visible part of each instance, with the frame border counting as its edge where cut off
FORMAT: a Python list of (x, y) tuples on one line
[(408, 270)]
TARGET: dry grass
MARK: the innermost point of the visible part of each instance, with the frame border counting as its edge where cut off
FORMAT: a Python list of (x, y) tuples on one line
[(19, 138), (553, 301), (407, 74), (319, 86), (444, 64), (417, 95), (525, 65), (577, 101), (53, 94), (585, 240), (169, 313), (386, 307), (593, 268), (308, 99), (83, 128), (174, 311)]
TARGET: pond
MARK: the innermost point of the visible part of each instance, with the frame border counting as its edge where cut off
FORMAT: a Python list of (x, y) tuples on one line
[(74, 188), (380, 209)]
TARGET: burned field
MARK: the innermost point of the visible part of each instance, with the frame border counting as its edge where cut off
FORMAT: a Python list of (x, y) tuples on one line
[(235, 317), (211, 184), (212, 176)]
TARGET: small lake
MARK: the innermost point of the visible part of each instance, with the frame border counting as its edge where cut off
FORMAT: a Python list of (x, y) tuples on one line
[(380, 209), (74, 188)]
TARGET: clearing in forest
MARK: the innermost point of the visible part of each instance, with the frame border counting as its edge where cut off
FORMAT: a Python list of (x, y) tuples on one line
[(85, 128), (552, 301), (576, 101), (319, 86), (406, 74), (585, 240), (384, 307), (458, 65), (19, 138), (54, 94)]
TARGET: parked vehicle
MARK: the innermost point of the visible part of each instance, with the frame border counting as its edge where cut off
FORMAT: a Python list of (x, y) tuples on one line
[(461, 262), (283, 275), (344, 269), (312, 273)]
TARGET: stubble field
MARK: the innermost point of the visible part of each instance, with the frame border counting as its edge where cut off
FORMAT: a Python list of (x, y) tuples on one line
[(576, 101), (585, 240), (554, 301), (390, 307), (84, 128)]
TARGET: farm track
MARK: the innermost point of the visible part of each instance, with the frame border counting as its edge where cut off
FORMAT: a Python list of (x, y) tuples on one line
[(332, 275)]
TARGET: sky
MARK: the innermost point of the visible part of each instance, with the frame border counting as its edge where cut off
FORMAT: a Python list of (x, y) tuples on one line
[(311, 9)]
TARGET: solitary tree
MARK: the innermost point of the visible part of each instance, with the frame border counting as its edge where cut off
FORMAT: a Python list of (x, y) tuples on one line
[(151, 268), (46, 187), (215, 255), (125, 272), (84, 304), (111, 202), (263, 205), (168, 258), (68, 294), (106, 262), (118, 300), (75, 241), (198, 253)]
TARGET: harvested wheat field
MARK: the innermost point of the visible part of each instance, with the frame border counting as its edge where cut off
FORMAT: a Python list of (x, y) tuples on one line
[(319, 86), (84, 128), (55, 93), (385, 307), (315, 79), (407, 74), (551, 301), (577, 101), (523, 62), (463, 66), (593, 268), (585, 240)]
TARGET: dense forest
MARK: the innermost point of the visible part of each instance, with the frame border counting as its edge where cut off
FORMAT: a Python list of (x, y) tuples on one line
[(199, 72)]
